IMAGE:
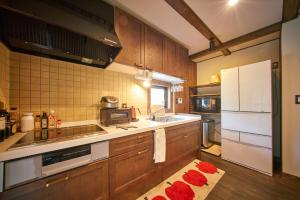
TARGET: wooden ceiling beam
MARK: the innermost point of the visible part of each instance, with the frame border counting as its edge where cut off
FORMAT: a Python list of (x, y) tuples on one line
[(290, 9), (188, 14), (239, 40)]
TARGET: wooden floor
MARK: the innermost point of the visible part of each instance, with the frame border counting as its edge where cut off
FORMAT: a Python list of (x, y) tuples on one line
[(242, 183)]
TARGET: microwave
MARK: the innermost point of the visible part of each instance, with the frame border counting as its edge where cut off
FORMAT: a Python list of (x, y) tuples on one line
[(114, 116), (207, 104)]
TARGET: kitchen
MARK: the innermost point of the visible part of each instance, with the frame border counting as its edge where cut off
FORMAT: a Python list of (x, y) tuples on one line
[(132, 99)]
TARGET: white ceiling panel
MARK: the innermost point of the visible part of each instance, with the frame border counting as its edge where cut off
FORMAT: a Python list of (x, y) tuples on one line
[(244, 17), (161, 16)]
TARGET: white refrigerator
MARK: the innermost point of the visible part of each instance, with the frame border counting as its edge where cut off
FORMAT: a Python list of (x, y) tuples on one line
[(246, 115)]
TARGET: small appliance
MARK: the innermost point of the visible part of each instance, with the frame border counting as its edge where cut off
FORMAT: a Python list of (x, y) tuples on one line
[(207, 104), (114, 116), (110, 114)]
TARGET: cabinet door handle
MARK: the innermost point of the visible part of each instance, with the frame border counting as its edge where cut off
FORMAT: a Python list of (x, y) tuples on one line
[(185, 136), (57, 181), (148, 68), (139, 65), (142, 152)]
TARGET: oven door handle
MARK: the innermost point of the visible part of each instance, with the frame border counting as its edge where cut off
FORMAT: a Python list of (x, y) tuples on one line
[(65, 165)]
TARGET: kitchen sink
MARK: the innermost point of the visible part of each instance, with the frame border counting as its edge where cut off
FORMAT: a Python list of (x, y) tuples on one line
[(168, 119)]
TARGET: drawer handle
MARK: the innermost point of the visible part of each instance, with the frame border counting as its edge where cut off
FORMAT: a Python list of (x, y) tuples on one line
[(141, 136), (142, 152), (57, 181), (185, 136)]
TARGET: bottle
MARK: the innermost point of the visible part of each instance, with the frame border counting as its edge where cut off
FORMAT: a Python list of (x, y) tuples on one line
[(133, 113), (7, 125), (58, 123), (27, 122), (51, 120), (37, 122), (13, 113), (44, 120), (13, 127), (2, 125)]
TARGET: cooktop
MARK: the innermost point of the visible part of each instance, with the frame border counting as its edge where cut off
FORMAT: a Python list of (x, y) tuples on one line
[(58, 134)]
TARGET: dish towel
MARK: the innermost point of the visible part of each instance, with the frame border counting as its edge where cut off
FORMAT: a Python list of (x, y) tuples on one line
[(159, 145)]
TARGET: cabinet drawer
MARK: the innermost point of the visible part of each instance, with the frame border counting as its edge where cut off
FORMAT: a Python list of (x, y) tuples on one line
[(128, 168), (231, 135), (259, 140), (254, 157), (179, 131), (181, 145), (88, 182), (129, 143)]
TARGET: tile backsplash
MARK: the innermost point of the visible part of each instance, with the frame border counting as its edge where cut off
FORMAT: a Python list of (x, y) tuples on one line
[(73, 91), (4, 75)]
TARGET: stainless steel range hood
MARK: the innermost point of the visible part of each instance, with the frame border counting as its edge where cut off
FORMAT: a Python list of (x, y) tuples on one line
[(73, 30)]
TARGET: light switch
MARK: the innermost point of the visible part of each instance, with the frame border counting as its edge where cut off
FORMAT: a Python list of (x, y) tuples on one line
[(297, 99)]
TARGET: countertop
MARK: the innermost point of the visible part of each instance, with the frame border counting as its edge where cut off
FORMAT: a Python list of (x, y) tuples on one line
[(142, 125)]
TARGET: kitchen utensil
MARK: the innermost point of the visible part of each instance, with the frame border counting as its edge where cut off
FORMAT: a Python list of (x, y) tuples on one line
[(109, 102)]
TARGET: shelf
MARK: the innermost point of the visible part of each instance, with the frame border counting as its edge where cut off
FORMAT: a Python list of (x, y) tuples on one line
[(204, 113), (207, 85), (203, 95)]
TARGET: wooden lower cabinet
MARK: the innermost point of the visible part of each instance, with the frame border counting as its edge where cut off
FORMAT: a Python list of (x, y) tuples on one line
[(183, 146), (88, 182), (133, 173), (128, 173)]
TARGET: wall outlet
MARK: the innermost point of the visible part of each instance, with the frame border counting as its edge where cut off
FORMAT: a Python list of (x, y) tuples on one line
[(297, 99), (179, 101)]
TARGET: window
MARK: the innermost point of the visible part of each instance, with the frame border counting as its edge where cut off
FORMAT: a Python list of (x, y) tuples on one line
[(159, 96)]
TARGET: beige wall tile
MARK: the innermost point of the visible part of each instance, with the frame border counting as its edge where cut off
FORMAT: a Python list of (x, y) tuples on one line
[(72, 90)]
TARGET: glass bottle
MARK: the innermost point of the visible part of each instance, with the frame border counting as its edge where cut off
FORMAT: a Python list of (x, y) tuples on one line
[(2, 125), (44, 120), (37, 122)]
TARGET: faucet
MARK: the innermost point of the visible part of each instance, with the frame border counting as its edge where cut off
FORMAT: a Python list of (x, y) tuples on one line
[(152, 114)]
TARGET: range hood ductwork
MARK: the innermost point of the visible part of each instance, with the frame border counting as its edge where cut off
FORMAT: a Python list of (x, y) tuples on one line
[(58, 30)]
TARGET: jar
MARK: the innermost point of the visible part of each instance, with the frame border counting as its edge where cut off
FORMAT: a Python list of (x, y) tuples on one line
[(13, 113), (27, 122)]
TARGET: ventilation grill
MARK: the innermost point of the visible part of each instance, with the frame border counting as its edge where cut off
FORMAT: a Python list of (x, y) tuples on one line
[(67, 41), (18, 27), (30, 35)]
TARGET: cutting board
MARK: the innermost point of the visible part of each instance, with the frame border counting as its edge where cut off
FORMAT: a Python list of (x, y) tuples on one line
[(10, 141)]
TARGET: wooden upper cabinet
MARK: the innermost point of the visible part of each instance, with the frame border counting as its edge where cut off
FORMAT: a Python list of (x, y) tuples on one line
[(153, 50), (131, 35), (169, 56), (182, 62), (144, 47)]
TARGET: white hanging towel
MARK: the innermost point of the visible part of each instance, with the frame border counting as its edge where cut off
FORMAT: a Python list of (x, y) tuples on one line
[(159, 145)]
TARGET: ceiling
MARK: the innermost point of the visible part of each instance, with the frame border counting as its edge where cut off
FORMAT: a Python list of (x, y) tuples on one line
[(226, 22)]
